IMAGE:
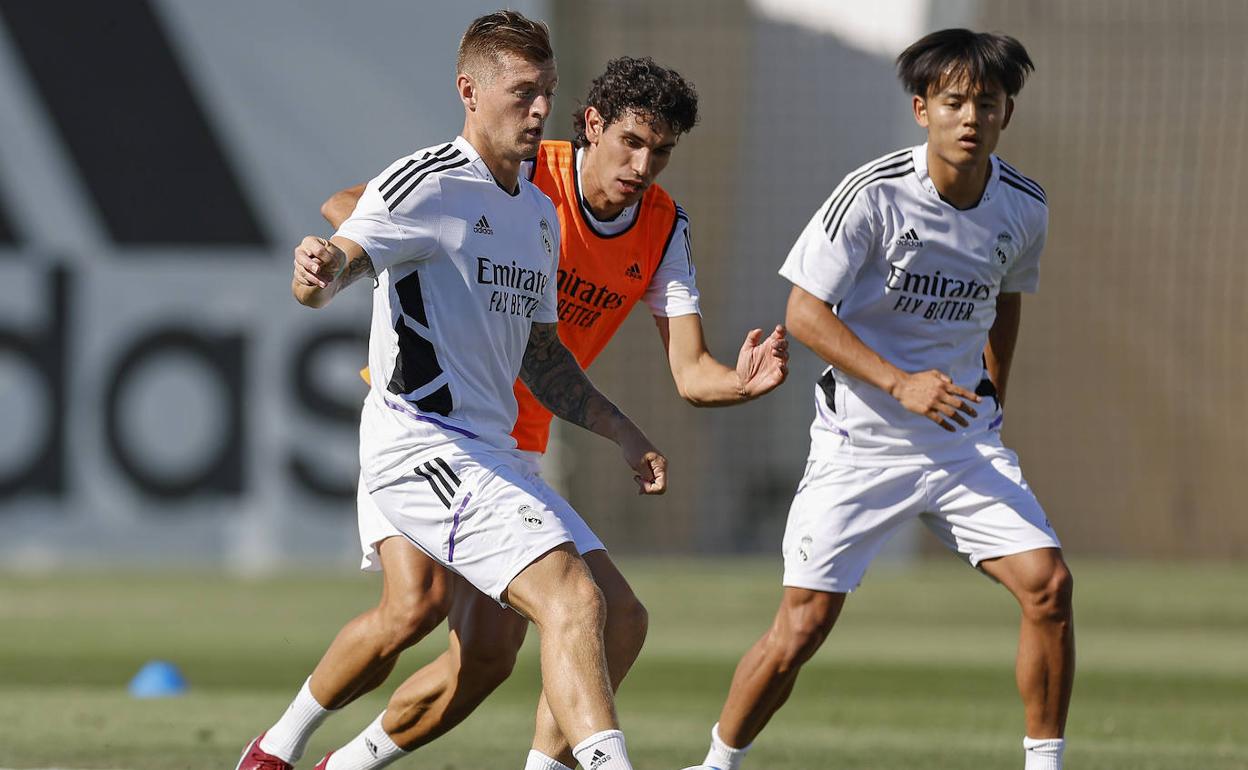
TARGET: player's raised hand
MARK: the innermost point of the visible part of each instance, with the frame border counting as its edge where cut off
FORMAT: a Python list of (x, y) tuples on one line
[(317, 262), (935, 396), (763, 364)]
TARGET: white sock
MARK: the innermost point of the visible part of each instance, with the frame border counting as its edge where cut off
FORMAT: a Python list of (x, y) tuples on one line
[(602, 751), (539, 761), (289, 737), (1043, 753), (722, 755), (369, 750)]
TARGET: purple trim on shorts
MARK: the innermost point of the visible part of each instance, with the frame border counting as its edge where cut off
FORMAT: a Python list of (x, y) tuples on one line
[(418, 416), (999, 419), (450, 551), (841, 431)]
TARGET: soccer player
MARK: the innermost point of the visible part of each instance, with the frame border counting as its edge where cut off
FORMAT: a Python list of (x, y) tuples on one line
[(458, 312), (624, 240), (907, 281)]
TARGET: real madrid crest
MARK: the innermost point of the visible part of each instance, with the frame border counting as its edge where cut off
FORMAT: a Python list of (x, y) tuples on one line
[(803, 550), (1004, 247), (547, 241), (531, 518)]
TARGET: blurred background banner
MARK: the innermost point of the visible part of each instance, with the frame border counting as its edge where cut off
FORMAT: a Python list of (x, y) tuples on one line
[(163, 400)]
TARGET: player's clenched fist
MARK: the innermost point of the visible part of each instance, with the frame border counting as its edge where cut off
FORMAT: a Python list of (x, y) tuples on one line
[(317, 262), (651, 475), (644, 458), (934, 395)]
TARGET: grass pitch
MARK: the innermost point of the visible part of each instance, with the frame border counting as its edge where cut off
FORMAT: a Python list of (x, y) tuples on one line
[(918, 674)]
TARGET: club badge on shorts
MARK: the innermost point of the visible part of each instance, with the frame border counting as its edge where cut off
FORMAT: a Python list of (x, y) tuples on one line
[(531, 518), (803, 550)]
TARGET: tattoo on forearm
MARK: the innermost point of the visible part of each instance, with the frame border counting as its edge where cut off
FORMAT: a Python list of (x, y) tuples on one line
[(357, 267), (557, 380)]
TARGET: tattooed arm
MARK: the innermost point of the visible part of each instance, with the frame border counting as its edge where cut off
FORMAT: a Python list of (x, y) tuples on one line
[(557, 380), (325, 267)]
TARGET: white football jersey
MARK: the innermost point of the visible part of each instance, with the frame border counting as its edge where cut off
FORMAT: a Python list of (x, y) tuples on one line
[(464, 269), (917, 280)]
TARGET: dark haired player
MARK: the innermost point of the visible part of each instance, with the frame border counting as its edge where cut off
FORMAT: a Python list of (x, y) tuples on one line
[(623, 240), (907, 282)]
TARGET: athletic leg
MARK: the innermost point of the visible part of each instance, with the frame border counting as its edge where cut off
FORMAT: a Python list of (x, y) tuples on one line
[(766, 674), (484, 641), (415, 598), (986, 511), (558, 593), (623, 635), (840, 518), (1043, 586)]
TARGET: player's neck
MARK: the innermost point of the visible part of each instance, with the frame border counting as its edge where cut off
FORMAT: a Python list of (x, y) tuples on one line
[(595, 196), (960, 186), (506, 172)]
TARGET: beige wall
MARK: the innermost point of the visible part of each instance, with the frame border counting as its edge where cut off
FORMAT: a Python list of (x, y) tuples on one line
[(1128, 407)]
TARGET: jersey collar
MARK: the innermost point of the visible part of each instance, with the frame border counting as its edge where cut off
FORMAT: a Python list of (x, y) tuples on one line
[(478, 166), (919, 155), (618, 226), (465, 146)]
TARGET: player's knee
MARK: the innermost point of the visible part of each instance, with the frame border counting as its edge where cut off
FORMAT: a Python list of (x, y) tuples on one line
[(578, 605), (802, 632), (628, 618), (484, 666), (638, 620), (1052, 600), (487, 656), (408, 619)]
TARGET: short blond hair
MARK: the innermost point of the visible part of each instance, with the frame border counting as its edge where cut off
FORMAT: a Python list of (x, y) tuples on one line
[(503, 32)]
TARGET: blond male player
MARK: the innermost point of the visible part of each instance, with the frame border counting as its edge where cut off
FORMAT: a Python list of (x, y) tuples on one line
[(457, 315)]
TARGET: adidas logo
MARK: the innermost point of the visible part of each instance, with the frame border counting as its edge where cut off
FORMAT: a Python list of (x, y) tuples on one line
[(634, 271), (910, 239), (598, 759), (483, 226), (372, 747)]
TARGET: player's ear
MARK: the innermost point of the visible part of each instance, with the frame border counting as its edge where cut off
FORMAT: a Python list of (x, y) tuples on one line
[(594, 124), (1009, 112), (920, 110), (466, 85)]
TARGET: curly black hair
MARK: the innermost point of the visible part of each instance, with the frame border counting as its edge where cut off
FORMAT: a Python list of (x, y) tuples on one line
[(654, 93)]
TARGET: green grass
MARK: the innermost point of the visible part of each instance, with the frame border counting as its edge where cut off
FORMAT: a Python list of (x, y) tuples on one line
[(918, 674)]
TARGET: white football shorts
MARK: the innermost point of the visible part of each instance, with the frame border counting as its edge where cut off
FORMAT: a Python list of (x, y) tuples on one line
[(980, 507), (485, 516)]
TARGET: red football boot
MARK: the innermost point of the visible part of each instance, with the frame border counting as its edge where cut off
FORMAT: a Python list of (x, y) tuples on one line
[(323, 763), (256, 758)]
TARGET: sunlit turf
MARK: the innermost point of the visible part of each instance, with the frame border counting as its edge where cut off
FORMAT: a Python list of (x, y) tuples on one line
[(918, 674)]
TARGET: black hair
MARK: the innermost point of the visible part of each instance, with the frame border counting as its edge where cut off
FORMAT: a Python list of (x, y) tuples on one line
[(950, 55), (656, 94)]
